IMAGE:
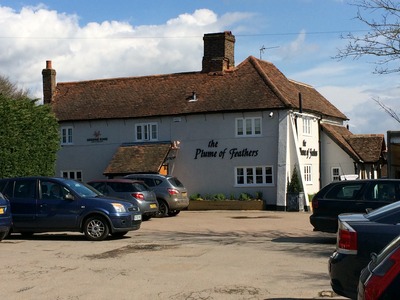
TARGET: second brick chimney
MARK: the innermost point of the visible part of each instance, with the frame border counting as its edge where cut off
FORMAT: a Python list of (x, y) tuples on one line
[(219, 52), (49, 83)]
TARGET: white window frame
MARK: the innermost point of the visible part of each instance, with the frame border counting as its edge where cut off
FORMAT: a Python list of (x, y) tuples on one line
[(334, 176), (307, 126), (247, 127), (307, 173), (254, 176), (66, 135), (146, 132), (72, 174)]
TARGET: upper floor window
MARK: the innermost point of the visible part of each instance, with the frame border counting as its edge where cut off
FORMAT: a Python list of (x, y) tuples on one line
[(146, 132), (248, 126), (260, 175), (66, 135), (307, 126), (307, 173), (335, 174)]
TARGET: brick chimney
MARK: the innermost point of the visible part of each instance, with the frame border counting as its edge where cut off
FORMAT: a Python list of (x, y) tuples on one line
[(49, 83), (219, 52)]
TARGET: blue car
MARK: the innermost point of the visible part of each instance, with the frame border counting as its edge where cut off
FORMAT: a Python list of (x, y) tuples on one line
[(5, 217), (48, 204)]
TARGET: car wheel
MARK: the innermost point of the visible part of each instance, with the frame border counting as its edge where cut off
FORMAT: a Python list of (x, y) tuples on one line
[(96, 228), (3, 235), (174, 213), (162, 209), (119, 234)]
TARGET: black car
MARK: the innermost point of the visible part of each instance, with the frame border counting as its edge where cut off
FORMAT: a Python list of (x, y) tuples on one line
[(381, 279), (358, 236), (5, 217), (351, 196), (46, 204)]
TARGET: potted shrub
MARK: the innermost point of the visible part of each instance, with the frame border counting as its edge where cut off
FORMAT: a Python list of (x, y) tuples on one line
[(295, 193)]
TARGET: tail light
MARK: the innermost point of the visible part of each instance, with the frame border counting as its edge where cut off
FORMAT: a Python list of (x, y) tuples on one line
[(172, 192), (314, 203), (346, 239), (138, 196)]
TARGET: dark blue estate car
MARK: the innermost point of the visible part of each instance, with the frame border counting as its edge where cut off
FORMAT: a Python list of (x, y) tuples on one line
[(5, 217), (47, 204), (358, 236)]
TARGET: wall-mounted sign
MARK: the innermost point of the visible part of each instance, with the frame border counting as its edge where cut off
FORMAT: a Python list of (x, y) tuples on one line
[(213, 152), (308, 152), (97, 138)]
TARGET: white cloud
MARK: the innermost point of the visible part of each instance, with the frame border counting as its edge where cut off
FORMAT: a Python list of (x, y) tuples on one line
[(99, 50)]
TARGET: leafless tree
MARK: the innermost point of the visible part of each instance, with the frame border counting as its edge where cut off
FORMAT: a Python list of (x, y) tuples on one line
[(9, 89), (383, 38)]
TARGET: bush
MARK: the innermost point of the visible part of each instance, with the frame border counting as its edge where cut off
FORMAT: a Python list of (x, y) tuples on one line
[(219, 196)]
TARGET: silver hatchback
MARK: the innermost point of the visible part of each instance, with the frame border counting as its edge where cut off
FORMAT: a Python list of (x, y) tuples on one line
[(171, 194), (131, 190)]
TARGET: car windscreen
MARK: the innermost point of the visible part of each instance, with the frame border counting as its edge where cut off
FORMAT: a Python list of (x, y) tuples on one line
[(82, 189)]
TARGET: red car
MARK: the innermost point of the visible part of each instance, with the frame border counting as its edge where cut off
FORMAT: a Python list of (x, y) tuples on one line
[(381, 279)]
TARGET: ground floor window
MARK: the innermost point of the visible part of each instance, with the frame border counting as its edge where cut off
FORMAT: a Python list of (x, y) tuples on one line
[(77, 175), (258, 175), (308, 173)]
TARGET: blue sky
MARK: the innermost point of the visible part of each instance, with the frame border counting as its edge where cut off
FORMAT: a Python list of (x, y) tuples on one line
[(93, 39)]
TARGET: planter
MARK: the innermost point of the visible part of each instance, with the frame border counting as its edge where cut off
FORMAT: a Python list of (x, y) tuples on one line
[(295, 201), (226, 205)]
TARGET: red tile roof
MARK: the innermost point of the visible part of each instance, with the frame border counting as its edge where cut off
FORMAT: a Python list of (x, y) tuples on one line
[(252, 85), (365, 148), (138, 158)]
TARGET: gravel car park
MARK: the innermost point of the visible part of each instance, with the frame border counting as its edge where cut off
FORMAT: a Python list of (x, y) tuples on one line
[(200, 255)]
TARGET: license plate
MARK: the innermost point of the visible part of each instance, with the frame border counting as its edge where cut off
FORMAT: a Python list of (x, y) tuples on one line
[(153, 205), (137, 217), (184, 194), (1, 210)]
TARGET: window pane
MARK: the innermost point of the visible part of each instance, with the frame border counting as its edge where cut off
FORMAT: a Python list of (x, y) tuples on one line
[(139, 136), (257, 126), (259, 175), (239, 123), (154, 132), (239, 176), (249, 130), (249, 176)]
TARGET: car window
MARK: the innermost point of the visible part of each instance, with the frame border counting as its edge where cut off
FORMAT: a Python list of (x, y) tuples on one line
[(100, 186), (175, 182), (149, 181), (52, 190), (383, 211), (381, 191), (140, 187), (24, 189), (122, 187), (344, 191)]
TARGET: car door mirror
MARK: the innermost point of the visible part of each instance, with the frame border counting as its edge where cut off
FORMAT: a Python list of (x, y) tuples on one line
[(69, 196)]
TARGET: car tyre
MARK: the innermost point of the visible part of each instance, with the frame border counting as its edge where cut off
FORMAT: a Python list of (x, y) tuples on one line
[(96, 228), (174, 213), (163, 209)]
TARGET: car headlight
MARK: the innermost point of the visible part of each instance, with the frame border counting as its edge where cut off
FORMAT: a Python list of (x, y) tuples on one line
[(119, 208)]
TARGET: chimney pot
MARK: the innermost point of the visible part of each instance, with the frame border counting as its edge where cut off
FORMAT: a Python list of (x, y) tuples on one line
[(48, 64)]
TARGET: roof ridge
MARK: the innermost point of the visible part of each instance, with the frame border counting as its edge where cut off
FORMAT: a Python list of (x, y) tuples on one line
[(254, 61)]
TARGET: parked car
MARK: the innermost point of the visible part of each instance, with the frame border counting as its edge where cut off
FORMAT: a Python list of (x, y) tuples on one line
[(358, 236), (381, 279), (45, 204), (5, 217), (351, 196), (134, 191), (171, 194)]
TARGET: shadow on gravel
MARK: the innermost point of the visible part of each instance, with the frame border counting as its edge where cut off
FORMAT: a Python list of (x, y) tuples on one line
[(54, 237), (331, 240)]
